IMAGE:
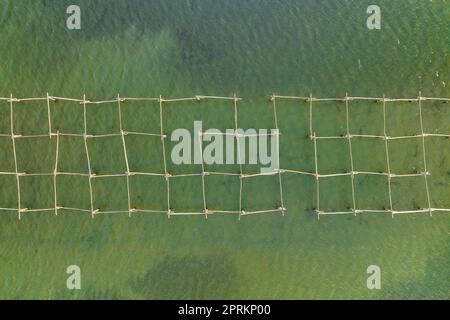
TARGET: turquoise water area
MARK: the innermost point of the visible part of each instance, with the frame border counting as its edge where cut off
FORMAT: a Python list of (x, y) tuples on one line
[(251, 48)]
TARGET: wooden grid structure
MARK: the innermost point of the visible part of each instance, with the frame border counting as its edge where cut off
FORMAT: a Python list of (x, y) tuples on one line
[(90, 175), (348, 136), (241, 175)]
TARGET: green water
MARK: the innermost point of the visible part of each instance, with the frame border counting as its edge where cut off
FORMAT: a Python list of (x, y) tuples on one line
[(251, 48)]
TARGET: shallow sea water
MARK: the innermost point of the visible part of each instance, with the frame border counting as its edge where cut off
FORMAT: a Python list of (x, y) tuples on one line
[(251, 48)]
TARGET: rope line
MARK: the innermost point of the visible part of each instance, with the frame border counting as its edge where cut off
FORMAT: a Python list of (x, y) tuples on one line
[(205, 208), (387, 158), (127, 173), (238, 147), (424, 156), (163, 144), (91, 195), (13, 136), (349, 139), (277, 145), (55, 173)]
